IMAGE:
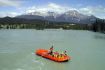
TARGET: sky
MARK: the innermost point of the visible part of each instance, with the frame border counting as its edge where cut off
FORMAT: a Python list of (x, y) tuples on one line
[(13, 8)]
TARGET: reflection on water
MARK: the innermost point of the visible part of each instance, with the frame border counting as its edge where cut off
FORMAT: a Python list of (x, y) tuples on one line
[(99, 36)]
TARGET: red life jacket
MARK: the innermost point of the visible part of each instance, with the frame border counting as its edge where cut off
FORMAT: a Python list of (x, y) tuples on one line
[(51, 48)]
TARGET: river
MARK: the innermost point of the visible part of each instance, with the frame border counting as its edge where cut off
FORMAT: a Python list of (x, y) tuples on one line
[(17, 47)]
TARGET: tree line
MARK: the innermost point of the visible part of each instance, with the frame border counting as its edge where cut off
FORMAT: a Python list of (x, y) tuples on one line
[(17, 23), (99, 26)]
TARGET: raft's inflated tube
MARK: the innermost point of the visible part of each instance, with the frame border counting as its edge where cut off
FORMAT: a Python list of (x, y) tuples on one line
[(44, 53)]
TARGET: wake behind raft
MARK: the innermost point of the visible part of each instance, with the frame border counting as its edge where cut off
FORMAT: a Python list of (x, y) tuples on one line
[(54, 56)]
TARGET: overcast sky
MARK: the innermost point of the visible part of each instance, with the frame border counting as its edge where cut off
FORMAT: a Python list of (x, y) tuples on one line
[(17, 7)]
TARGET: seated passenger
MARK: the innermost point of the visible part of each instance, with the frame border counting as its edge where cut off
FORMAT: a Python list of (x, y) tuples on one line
[(65, 53), (56, 54)]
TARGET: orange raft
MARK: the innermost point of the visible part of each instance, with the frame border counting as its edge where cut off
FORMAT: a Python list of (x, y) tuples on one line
[(44, 53)]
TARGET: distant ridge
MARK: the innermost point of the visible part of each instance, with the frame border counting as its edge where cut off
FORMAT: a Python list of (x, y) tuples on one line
[(69, 16)]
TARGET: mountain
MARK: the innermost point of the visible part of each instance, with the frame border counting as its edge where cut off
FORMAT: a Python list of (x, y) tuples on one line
[(69, 16), (9, 20)]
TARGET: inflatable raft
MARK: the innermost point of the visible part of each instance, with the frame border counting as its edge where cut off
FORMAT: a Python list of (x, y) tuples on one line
[(44, 53)]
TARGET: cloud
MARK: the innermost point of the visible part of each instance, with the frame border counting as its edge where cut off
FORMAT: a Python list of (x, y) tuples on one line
[(50, 7), (85, 10), (54, 6), (14, 3), (10, 14), (36, 9), (92, 10), (98, 11), (13, 14)]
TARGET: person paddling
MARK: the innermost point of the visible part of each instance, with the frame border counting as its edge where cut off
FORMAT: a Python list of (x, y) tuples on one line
[(51, 50)]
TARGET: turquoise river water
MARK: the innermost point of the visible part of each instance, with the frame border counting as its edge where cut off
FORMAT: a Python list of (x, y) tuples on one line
[(17, 47)]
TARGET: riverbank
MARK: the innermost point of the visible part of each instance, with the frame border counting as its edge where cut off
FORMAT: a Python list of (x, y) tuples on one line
[(16, 23)]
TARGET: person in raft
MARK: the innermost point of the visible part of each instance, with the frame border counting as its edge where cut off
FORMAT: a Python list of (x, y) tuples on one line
[(56, 54), (65, 53), (51, 50)]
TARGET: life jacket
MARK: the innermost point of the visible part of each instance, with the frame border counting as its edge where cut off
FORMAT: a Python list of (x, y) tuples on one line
[(51, 48)]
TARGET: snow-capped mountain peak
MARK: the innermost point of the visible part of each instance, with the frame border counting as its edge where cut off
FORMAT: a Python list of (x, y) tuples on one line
[(68, 16), (71, 13)]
